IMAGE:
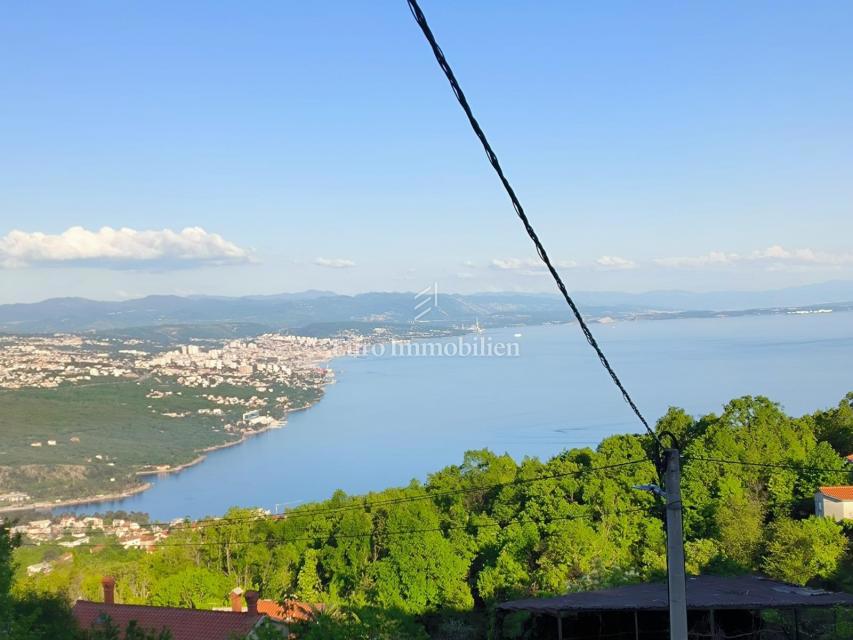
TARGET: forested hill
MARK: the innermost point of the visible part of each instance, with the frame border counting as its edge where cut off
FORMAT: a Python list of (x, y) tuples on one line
[(298, 310), (432, 557)]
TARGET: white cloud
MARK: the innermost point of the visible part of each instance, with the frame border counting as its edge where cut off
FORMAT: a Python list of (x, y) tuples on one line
[(803, 256), (118, 247), (773, 257), (516, 264), (566, 264), (709, 259), (334, 263), (615, 262), (529, 265)]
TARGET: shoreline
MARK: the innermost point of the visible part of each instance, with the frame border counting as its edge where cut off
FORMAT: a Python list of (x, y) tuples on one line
[(244, 436), (93, 500), (50, 506), (145, 486), (201, 457), (136, 490)]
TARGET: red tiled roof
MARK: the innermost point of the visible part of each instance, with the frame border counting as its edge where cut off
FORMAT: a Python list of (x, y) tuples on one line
[(185, 624), (850, 458), (290, 611), (838, 493)]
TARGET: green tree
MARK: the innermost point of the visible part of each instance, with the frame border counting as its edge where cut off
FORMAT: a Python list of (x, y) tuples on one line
[(508, 558), (308, 584), (574, 556), (346, 557), (490, 529), (835, 426), (679, 423), (191, 587), (360, 624), (801, 550), (753, 431), (739, 521), (269, 631), (42, 617), (416, 571), (7, 544)]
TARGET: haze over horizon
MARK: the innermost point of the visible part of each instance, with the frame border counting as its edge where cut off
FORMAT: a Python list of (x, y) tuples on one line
[(834, 290), (655, 148)]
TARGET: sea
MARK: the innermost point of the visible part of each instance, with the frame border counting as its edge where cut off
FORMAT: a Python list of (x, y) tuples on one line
[(396, 415)]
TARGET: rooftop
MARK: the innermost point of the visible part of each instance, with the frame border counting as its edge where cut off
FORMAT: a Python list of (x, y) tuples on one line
[(185, 624), (838, 493), (291, 611), (703, 592)]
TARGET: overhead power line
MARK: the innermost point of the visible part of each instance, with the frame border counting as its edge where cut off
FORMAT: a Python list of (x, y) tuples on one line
[(519, 210), (275, 542), (770, 465), (364, 504)]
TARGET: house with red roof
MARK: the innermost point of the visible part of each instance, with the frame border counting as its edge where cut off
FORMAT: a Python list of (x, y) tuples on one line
[(288, 611), (183, 624), (834, 502)]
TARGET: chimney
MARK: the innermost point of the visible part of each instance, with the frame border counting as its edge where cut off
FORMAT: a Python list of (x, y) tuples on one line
[(252, 602), (237, 600), (109, 585)]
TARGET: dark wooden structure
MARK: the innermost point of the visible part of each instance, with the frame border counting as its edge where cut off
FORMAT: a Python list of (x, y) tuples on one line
[(719, 608)]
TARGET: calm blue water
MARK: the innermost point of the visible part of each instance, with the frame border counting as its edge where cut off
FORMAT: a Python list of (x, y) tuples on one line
[(390, 419)]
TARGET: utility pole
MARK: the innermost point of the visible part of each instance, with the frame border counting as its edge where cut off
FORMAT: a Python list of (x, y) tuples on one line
[(675, 546)]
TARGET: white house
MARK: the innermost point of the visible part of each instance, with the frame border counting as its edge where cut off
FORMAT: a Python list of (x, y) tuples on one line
[(834, 502)]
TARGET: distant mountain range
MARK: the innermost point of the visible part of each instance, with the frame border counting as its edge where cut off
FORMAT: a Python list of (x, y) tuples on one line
[(813, 294), (308, 308)]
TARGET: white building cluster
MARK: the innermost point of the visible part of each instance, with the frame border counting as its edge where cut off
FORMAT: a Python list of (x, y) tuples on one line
[(48, 361), (71, 531), (261, 362)]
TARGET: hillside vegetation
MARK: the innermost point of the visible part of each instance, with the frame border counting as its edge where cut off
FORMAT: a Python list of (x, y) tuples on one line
[(104, 433), (433, 557)]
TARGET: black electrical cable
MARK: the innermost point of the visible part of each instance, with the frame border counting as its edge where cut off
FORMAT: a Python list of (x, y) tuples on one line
[(519, 210), (397, 532), (769, 465), (364, 505)]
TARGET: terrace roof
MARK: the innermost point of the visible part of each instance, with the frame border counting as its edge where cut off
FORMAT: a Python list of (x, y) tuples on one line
[(703, 592)]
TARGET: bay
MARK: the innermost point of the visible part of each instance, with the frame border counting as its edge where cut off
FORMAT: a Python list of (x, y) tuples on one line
[(390, 418)]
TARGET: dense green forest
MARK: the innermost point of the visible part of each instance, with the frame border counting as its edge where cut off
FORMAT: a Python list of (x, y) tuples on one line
[(431, 558), (99, 428)]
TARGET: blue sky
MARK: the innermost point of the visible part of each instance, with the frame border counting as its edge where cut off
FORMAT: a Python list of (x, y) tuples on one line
[(697, 146)]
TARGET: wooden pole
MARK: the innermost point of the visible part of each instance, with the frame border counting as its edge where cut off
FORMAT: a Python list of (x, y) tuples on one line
[(559, 626)]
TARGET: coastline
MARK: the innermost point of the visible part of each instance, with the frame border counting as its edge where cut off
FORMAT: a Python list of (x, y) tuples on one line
[(245, 435), (137, 489), (754, 332), (76, 502), (201, 457)]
